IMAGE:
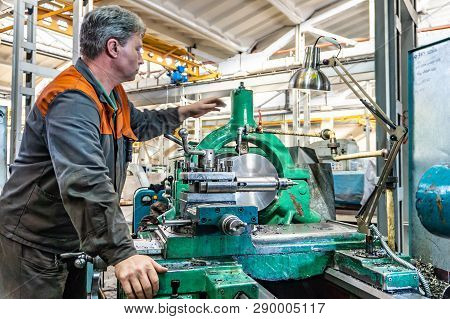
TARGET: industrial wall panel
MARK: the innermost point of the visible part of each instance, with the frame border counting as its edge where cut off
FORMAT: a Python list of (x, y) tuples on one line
[(429, 145)]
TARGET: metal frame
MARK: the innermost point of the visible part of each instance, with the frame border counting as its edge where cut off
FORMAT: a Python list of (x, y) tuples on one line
[(3, 157), (24, 55), (394, 36), (80, 8), (24, 68)]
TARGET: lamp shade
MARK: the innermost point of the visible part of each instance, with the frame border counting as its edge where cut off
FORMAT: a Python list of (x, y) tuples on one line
[(310, 77)]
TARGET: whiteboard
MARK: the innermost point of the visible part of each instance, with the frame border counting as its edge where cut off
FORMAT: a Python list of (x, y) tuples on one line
[(429, 139)]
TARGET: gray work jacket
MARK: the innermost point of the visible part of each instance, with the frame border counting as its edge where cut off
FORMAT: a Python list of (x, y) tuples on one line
[(65, 184)]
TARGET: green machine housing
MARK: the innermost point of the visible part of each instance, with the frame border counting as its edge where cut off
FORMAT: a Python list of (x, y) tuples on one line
[(240, 215)]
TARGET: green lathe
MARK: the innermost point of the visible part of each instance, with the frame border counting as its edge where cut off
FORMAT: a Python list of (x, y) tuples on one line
[(240, 224)]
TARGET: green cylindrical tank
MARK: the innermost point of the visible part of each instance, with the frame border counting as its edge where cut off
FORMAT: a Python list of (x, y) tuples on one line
[(242, 107)]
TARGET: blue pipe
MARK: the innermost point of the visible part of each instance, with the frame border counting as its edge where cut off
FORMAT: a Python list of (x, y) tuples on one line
[(433, 200)]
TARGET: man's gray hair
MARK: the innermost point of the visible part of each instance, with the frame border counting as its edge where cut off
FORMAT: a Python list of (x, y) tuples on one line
[(104, 23)]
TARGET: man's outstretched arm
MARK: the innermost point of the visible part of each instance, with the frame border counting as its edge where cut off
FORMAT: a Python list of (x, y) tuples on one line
[(147, 124)]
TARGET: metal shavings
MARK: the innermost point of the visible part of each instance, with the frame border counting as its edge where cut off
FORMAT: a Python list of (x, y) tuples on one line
[(437, 286)]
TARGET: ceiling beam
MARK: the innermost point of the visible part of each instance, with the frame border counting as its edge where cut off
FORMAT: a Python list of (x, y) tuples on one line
[(207, 56), (324, 33), (278, 44), (153, 7), (163, 31), (328, 13), (288, 9)]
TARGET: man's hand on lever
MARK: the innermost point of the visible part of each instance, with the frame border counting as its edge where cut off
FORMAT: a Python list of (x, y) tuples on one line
[(200, 108), (138, 276)]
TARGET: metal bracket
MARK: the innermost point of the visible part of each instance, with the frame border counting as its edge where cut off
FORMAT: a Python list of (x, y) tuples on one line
[(412, 11)]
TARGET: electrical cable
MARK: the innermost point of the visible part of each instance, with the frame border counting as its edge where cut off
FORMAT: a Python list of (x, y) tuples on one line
[(402, 262)]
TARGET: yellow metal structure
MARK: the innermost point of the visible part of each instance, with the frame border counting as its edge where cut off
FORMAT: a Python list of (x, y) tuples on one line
[(170, 56), (52, 20), (154, 50), (390, 217)]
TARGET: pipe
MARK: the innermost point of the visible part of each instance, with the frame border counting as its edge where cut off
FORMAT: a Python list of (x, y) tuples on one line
[(402, 262), (390, 217), (324, 134), (382, 153)]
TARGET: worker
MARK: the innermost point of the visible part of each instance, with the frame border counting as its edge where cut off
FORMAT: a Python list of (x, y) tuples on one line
[(65, 184)]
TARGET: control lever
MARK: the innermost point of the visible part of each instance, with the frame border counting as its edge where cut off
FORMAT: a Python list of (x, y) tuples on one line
[(173, 139), (80, 260), (175, 285), (187, 150)]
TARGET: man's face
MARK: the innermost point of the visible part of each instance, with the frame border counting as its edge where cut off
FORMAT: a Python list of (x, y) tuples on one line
[(129, 58)]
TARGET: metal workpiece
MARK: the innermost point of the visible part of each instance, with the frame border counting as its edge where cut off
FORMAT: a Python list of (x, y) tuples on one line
[(232, 225), (207, 176), (213, 187), (243, 184), (257, 184), (262, 184), (252, 166)]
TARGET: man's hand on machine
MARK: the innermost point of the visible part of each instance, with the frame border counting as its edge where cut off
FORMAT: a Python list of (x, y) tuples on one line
[(200, 108), (138, 276)]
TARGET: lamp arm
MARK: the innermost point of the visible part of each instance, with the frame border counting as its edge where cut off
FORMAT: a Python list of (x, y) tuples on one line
[(366, 212), (397, 134), (381, 117)]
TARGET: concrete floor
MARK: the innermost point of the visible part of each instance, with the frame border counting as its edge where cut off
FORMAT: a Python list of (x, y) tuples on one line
[(128, 213)]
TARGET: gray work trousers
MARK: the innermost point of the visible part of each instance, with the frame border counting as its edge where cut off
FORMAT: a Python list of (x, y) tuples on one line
[(30, 273)]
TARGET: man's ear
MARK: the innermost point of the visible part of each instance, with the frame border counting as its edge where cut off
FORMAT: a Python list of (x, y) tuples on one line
[(112, 48)]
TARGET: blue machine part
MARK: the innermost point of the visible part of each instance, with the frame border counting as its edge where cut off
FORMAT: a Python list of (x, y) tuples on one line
[(177, 75), (433, 200), (143, 199), (348, 187)]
